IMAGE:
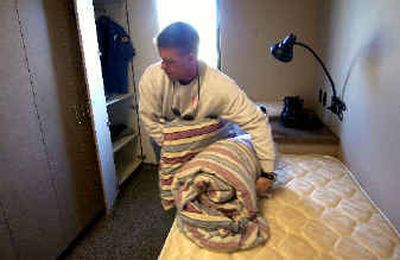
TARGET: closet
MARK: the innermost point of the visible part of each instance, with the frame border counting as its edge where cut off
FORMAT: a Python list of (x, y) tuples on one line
[(52, 181), (122, 106), (108, 63), (66, 146)]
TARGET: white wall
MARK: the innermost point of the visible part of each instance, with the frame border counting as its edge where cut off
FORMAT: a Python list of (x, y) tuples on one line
[(249, 28), (144, 27), (362, 43)]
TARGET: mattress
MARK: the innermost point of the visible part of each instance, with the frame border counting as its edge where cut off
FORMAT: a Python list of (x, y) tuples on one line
[(317, 212)]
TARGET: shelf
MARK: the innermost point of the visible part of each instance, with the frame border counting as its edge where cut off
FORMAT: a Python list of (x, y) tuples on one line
[(117, 98), (128, 170), (283, 134), (118, 144)]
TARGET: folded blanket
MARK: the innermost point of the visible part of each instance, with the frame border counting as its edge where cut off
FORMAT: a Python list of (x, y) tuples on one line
[(182, 141), (211, 183), (215, 197)]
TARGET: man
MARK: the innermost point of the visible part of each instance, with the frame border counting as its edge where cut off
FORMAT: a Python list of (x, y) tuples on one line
[(183, 87)]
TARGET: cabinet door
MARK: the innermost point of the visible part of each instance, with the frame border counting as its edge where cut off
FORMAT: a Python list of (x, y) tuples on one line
[(27, 191), (56, 72), (6, 245), (91, 61), (49, 183)]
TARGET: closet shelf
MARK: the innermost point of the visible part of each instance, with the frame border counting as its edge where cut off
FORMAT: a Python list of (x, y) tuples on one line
[(118, 144), (118, 97), (128, 170)]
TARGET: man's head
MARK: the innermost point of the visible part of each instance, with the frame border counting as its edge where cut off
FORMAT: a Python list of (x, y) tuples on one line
[(177, 45)]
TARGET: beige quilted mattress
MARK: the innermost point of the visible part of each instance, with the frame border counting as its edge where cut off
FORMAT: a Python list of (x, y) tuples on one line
[(318, 213)]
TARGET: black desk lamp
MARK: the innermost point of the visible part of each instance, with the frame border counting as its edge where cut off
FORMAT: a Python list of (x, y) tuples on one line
[(283, 51)]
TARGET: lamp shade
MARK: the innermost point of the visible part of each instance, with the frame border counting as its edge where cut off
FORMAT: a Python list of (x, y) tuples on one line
[(283, 50)]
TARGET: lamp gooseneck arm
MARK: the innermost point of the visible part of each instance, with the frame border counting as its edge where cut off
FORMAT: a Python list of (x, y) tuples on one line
[(283, 51), (321, 63)]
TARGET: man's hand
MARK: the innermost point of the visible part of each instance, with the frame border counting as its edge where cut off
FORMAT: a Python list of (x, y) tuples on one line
[(262, 186), (264, 183)]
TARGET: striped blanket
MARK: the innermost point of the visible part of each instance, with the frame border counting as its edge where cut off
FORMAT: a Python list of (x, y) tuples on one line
[(182, 141), (209, 176)]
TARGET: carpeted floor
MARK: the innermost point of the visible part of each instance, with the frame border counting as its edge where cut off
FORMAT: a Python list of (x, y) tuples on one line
[(137, 227)]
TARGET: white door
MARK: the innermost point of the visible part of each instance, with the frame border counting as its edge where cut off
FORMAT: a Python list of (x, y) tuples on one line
[(90, 54)]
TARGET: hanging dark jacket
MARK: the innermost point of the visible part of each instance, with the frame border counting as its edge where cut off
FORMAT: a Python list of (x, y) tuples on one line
[(116, 51)]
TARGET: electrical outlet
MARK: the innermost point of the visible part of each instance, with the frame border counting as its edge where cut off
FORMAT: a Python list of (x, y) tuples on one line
[(324, 99)]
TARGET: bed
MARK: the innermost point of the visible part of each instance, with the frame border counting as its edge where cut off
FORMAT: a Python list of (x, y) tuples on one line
[(316, 212)]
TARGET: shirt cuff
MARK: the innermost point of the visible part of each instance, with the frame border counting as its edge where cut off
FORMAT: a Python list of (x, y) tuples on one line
[(267, 165)]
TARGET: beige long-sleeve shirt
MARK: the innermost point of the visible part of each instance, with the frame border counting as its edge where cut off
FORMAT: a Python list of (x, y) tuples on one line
[(219, 96)]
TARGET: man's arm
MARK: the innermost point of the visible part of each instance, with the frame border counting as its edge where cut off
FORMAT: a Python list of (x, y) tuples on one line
[(238, 108), (150, 108)]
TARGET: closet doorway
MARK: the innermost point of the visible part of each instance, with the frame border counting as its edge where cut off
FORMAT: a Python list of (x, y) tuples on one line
[(107, 54)]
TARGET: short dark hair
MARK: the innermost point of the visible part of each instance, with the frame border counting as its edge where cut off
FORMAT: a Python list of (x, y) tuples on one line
[(179, 35)]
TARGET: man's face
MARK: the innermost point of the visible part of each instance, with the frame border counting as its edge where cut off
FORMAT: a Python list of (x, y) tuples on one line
[(177, 65)]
